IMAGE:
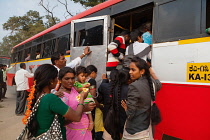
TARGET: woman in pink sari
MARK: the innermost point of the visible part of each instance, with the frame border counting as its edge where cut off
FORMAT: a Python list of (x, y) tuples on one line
[(74, 130)]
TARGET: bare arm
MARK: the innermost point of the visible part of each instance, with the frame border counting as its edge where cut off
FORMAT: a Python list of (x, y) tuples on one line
[(156, 81), (89, 107), (86, 52), (152, 73), (78, 89)]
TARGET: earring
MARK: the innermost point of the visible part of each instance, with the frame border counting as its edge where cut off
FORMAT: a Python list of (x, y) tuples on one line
[(51, 83)]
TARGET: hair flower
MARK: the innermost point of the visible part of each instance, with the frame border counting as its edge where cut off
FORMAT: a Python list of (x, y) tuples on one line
[(29, 99)]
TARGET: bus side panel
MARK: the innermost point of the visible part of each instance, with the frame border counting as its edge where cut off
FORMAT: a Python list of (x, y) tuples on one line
[(30, 83), (184, 110), (10, 77), (34, 64)]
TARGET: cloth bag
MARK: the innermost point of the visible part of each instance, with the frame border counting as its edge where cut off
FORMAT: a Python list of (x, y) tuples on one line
[(54, 132)]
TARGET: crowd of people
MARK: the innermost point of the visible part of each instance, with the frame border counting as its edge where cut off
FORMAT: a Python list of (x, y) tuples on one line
[(122, 107)]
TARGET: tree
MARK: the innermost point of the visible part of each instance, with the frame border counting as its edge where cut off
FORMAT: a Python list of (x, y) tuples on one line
[(51, 21), (25, 26), (22, 28), (8, 43), (50, 12), (89, 3), (86, 3)]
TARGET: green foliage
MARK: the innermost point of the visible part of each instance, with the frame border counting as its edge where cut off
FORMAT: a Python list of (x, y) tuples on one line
[(89, 3), (50, 21), (22, 28)]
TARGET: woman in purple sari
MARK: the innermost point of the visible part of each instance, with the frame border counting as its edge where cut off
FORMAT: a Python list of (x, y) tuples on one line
[(74, 130)]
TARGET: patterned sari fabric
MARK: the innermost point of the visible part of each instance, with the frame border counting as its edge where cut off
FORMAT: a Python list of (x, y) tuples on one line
[(76, 130)]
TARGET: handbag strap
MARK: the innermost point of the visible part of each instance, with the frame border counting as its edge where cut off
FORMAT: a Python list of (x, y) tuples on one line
[(130, 49), (35, 108)]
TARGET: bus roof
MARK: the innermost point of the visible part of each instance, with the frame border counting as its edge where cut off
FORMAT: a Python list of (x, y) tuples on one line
[(78, 16)]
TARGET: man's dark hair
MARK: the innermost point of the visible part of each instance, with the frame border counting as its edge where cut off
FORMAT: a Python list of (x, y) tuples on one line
[(56, 56), (22, 65), (4, 65), (148, 26), (135, 34), (38, 51), (90, 69), (125, 32)]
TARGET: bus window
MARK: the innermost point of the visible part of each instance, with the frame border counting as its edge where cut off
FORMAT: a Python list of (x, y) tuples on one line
[(26, 54), (53, 46), (88, 33), (174, 23), (33, 53), (207, 13), (12, 57), (47, 49), (63, 44), (38, 50), (19, 56), (16, 57)]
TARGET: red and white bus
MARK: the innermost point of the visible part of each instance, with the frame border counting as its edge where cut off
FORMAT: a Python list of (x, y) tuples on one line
[(180, 54)]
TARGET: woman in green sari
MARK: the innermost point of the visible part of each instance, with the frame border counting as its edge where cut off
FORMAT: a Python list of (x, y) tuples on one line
[(46, 79)]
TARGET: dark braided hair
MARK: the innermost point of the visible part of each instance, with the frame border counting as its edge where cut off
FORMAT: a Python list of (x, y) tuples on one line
[(43, 75), (155, 112), (90, 69), (123, 77), (114, 79)]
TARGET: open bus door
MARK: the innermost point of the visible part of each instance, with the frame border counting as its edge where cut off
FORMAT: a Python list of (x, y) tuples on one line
[(92, 32)]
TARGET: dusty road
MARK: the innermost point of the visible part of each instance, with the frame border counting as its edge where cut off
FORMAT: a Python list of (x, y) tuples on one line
[(10, 124)]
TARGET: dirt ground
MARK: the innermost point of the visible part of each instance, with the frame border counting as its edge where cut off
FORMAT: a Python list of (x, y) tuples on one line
[(10, 124)]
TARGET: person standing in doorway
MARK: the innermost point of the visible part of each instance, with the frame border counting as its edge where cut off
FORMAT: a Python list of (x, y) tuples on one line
[(116, 50), (21, 79)]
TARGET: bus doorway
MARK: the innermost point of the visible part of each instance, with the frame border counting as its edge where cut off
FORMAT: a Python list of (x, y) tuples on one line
[(132, 19)]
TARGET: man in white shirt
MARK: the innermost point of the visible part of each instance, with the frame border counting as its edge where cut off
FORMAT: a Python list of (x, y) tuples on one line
[(21, 80), (59, 60), (138, 45)]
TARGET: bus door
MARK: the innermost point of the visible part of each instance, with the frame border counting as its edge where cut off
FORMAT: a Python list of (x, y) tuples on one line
[(92, 32)]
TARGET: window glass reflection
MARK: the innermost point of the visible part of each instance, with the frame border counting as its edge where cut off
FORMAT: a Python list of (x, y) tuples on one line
[(88, 33)]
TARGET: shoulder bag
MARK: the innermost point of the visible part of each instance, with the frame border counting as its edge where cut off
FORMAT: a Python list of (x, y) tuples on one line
[(54, 132)]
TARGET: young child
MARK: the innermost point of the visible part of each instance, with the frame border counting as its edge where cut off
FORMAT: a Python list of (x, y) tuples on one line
[(97, 113), (81, 85)]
